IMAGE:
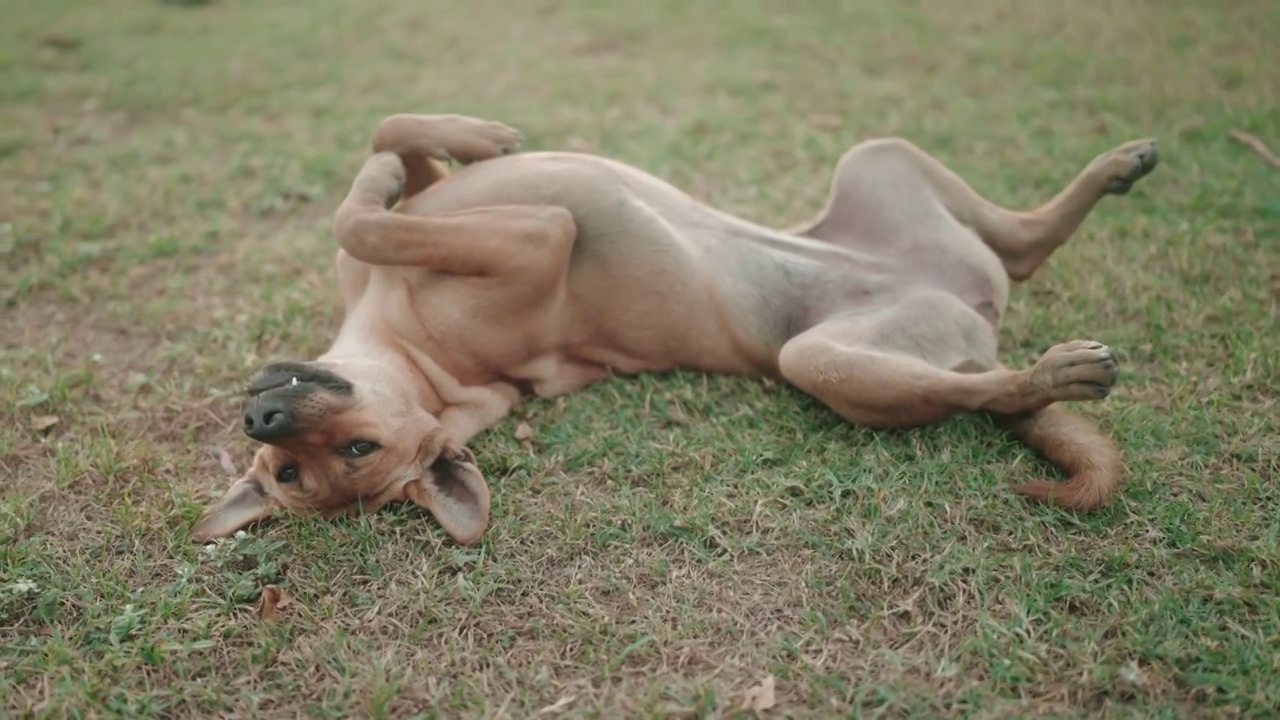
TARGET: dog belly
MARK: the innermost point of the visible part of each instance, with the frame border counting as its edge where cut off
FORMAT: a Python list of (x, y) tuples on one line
[(962, 266), (660, 280), (932, 250)]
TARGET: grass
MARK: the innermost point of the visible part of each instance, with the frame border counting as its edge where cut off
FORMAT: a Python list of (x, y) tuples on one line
[(167, 175)]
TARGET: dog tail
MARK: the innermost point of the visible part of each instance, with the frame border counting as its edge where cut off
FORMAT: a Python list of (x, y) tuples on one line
[(1093, 464)]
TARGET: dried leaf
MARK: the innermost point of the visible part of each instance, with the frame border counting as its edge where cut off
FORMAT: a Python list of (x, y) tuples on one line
[(524, 434), (224, 459), (43, 423), (759, 698), (557, 706), (272, 602), (1255, 144)]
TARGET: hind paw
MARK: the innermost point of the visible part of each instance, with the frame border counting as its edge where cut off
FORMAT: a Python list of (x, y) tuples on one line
[(1127, 164), (1077, 370)]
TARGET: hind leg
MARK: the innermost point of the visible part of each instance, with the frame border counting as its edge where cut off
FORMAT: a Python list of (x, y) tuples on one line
[(932, 357), (890, 182)]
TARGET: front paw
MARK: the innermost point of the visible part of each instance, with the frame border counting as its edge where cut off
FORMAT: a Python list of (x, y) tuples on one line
[(467, 140), (386, 170)]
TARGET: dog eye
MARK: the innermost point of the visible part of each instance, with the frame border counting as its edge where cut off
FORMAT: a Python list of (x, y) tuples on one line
[(287, 474), (359, 448)]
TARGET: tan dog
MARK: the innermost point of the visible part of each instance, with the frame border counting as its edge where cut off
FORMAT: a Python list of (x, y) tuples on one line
[(544, 272)]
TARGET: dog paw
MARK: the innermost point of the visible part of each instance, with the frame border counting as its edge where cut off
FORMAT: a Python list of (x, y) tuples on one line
[(504, 138), (467, 140), (1127, 164), (386, 171), (1077, 370)]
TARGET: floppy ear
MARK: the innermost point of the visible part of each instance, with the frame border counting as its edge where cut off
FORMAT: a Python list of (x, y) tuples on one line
[(243, 503), (453, 490)]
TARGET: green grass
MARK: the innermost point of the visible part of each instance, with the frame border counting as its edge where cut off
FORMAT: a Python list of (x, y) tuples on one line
[(167, 175)]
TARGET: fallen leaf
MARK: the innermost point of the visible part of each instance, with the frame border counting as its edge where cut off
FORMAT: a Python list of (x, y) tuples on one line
[(524, 434), (759, 698), (1256, 144), (272, 602), (43, 423), (224, 459)]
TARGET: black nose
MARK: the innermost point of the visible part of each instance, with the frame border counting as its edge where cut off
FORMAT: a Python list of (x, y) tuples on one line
[(267, 420)]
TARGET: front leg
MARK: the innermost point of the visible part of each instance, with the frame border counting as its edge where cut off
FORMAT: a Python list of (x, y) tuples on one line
[(490, 240), (484, 408)]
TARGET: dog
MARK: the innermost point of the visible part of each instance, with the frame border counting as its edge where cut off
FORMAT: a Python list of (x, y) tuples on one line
[(539, 273)]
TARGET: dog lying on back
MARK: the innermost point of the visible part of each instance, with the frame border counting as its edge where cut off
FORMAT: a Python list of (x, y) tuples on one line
[(541, 273)]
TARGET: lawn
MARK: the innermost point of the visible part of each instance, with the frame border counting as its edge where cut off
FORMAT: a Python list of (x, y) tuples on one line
[(662, 545)]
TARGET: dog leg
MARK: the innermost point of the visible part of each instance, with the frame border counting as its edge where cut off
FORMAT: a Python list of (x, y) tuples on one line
[(871, 386), (425, 142), (893, 176), (933, 358), (482, 241)]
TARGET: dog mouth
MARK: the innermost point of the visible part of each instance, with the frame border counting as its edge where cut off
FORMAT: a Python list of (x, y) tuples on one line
[(302, 376)]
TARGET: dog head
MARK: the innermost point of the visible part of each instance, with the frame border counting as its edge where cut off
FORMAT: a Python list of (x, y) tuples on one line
[(341, 436)]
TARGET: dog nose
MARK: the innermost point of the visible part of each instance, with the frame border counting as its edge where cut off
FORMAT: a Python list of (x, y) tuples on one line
[(267, 420)]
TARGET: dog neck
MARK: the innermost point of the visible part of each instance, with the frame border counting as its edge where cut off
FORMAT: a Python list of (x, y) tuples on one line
[(463, 409), (435, 389), (446, 387), (428, 386)]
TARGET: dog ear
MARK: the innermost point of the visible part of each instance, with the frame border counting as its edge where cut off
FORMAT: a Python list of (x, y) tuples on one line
[(453, 490), (243, 503)]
